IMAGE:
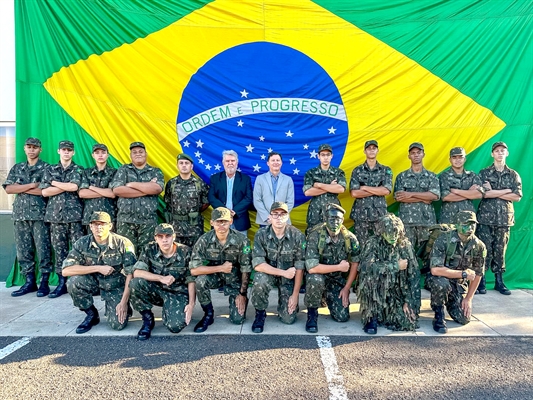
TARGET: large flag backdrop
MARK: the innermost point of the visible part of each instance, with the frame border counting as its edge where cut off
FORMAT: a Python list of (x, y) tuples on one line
[(258, 76)]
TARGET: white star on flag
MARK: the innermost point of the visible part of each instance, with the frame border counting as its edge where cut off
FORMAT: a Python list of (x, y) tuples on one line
[(306, 146), (240, 123), (186, 143), (295, 171), (199, 143), (256, 168), (208, 167), (263, 157), (249, 148), (313, 154), (244, 93), (331, 131), (270, 150), (201, 161), (217, 167), (293, 160), (262, 138), (289, 134), (197, 154)]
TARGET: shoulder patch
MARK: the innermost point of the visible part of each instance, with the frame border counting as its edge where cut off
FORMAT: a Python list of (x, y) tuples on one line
[(246, 250), (130, 248), (304, 244)]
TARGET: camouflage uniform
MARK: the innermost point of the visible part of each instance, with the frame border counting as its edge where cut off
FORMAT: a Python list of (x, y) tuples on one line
[(100, 179), (173, 298), (63, 211), (496, 216), (209, 251), (367, 211), (315, 211), (31, 233), (137, 217), (333, 253), (281, 253), (119, 254), (449, 292), (184, 200), (417, 217), (450, 180)]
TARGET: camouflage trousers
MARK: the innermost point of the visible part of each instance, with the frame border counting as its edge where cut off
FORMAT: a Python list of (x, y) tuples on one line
[(449, 293), (416, 235), (232, 285), (316, 285), (364, 229), (496, 239), (33, 237), (263, 284), (61, 236), (146, 294), (82, 289), (139, 234)]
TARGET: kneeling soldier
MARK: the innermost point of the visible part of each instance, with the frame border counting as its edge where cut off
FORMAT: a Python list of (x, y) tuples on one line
[(457, 264), (278, 259), (161, 277), (221, 257), (100, 263)]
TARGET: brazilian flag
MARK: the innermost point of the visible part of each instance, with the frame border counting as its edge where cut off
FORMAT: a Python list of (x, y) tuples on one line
[(286, 76)]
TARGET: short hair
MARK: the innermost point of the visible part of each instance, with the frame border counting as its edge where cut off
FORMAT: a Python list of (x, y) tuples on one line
[(230, 153), (273, 153)]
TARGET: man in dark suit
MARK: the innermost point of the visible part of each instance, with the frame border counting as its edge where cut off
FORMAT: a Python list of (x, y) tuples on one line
[(233, 190)]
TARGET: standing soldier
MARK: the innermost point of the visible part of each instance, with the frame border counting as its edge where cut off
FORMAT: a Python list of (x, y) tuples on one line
[(415, 189), (65, 209), (278, 260), (221, 257), (95, 186), (369, 184), (186, 199), (331, 259), (323, 183), (457, 264), (137, 185), (458, 187), (32, 234), (101, 263), (161, 277), (503, 186)]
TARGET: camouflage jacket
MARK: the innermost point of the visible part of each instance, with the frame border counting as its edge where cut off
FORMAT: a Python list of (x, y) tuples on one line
[(284, 253), (100, 179), (450, 180), (466, 255)]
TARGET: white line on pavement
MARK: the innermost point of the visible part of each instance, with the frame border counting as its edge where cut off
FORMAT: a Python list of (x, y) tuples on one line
[(331, 369), (14, 347)]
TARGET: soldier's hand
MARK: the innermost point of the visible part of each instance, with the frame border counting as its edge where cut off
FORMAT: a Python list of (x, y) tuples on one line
[(487, 185), (240, 302), (122, 311), (474, 187), (344, 266), (167, 280), (403, 264), (106, 270), (410, 314), (289, 273), (345, 296), (293, 303), (226, 267), (188, 313), (334, 182), (466, 306), (402, 195), (470, 274)]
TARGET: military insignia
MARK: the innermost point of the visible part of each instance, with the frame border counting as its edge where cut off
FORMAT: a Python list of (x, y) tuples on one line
[(130, 248), (246, 250), (304, 245)]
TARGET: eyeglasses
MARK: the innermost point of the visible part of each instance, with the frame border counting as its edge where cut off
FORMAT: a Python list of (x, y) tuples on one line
[(278, 215)]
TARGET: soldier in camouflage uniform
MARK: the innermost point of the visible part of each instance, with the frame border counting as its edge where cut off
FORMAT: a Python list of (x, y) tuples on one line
[(415, 189), (137, 186), (503, 186), (457, 264), (161, 277), (101, 262), (95, 188), (278, 260), (323, 183), (389, 279), (221, 257), (186, 199), (458, 187), (331, 259), (32, 234), (64, 209), (369, 184)]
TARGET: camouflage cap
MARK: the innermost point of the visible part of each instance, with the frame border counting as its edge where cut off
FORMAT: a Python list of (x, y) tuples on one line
[(325, 147), (418, 145), (221, 213), (100, 216), (334, 207), (370, 143), (33, 141), (66, 144), (499, 144), (164, 229), (464, 217), (184, 156), (457, 151), (279, 205), (137, 144), (99, 146)]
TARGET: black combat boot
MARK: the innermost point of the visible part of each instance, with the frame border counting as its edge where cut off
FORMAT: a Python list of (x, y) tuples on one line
[(311, 325), (44, 289), (259, 322), (498, 285), (148, 324), (90, 320), (482, 287), (29, 287), (439, 324), (371, 327), (61, 288), (207, 319)]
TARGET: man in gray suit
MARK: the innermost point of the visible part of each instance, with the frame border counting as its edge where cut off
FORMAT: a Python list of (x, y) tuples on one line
[(270, 187)]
